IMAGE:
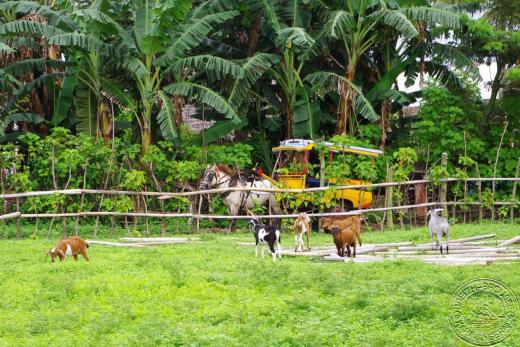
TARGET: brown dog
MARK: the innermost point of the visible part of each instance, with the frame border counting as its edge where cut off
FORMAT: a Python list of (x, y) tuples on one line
[(69, 247), (302, 226), (328, 223)]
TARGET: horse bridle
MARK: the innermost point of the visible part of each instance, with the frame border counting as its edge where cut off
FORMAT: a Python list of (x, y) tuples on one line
[(209, 174)]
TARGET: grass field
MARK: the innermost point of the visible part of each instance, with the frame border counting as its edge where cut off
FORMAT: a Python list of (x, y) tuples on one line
[(217, 293)]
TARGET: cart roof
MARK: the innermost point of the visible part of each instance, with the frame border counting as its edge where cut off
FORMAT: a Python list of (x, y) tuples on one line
[(301, 145)]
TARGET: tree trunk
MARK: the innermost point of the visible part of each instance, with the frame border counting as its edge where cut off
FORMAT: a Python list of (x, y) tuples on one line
[(178, 102), (253, 37), (288, 111), (104, 121), (345, 103), (495, 88), (386, 110), (146, 138)]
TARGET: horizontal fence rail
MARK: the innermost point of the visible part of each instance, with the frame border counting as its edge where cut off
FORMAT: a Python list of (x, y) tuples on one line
[(207, 216), (165, 195)]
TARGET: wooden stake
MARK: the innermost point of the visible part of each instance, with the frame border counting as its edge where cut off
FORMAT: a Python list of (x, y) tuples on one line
[(444, 186), (513, 196), (389, 197)]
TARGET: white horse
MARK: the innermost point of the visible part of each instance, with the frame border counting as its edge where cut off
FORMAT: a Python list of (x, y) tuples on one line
[(221, 176)]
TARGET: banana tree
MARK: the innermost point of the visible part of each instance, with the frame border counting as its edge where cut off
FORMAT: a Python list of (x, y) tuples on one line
[(288, 21), (164, 33)]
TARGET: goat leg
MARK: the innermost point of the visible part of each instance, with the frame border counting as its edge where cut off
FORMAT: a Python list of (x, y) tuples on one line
[(348, 250), (439, 241), (308, 240)]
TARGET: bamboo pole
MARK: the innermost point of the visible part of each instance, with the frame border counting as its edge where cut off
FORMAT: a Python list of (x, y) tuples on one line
[(207, 216), (510, 242), (389, 197), (82, 197), (164, 195), (18, 227), (513, 196), (495, 169), (10, 215), (444, 186)]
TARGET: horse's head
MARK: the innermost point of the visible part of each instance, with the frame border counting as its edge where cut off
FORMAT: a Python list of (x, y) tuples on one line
[(210, 177)]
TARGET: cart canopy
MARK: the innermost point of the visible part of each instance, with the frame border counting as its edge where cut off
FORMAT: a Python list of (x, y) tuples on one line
[(301, 145)]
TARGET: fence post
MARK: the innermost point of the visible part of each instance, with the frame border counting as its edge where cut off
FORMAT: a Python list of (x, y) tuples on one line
[(517, 173), (444, 186), (18, 228), (389, 196)]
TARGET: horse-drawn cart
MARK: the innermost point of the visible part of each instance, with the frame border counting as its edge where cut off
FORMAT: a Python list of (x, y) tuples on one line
[(295, 164)]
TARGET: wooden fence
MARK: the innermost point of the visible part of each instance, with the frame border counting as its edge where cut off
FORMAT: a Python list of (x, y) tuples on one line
[(386, 189)]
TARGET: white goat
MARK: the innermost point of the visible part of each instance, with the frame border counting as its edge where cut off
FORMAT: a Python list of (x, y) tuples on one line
[(439, 227)]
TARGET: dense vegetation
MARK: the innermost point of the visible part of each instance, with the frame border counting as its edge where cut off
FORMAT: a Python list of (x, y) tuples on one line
[(92, 92), (216, 292)]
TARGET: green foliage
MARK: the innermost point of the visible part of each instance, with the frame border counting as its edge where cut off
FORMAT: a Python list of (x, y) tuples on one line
[(155, 294)]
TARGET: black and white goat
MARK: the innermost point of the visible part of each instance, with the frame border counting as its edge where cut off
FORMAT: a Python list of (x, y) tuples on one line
[(439, 227), (266, 234)]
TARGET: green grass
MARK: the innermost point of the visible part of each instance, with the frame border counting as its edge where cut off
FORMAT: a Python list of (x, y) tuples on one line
[(217, 293)]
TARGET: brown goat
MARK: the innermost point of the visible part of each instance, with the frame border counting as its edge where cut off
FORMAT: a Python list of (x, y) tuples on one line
[(328, 223), (344, 238), (302, 226), (69, 247)]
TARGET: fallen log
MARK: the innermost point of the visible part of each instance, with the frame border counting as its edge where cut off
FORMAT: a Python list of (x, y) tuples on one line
[(474, 238), (158, 239), (455, 251), (510, 242), (115, 244), (428, 247)]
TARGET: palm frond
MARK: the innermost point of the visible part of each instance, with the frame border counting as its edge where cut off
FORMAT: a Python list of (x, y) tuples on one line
[(329, 81), (295, 36), (22, 67), (85, 42), (116, 94), (55, 18), (165, 118), (399, 21), (203, 94), (65, 99), (191, 35), (338, 23), (6, 49), (220, 67), (448, 54), (433, 16), (90, 15), (24, 27), (254, 67)]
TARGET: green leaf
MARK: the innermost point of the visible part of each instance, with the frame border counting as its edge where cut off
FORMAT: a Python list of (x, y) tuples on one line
[(254, 67), (65, 100), (102, 18), (219, 66), (27, 117), (218, 131), (165, 119), (205, 95), (190, 35), (85, 112), (330, 82), (21, 27), (87, 43), (6, 49), (26, 66)]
